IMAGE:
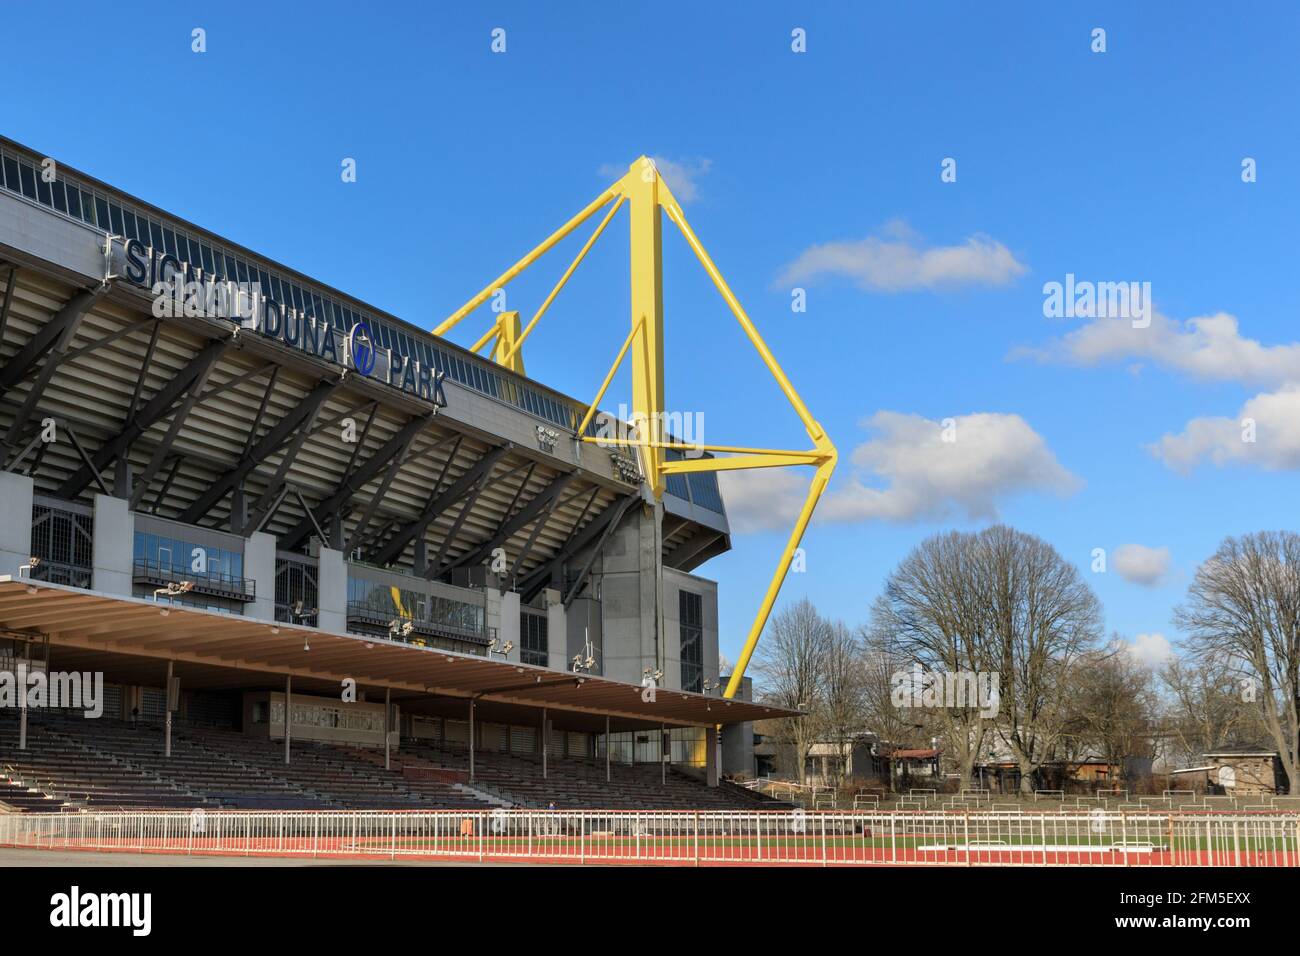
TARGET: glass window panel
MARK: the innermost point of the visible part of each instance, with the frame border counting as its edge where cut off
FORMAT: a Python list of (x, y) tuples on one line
[(43, 191), (74, 201), (11, 174), (29, 181), (207, 258), (129, 217), (169, 239), (102, 218), (156, 235), (60, 200), (87, 206), (119, 227)]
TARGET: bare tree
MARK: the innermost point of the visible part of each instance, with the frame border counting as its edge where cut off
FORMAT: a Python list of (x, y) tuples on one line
[(1113, 707), (789, 663), (842, 691), (935, 613), (1205, 710), (883, 659), (1243, 607), (1043, 618)]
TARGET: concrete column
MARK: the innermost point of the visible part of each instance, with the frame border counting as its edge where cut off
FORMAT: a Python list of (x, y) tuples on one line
[(332, 585), (114, 546), (557, 631), (288, 714), (471, 739), (388, 705), (259, 564), (508, 629), (546, 740), (15, 521), (607, 748), (167, 713), (663, 755), (711, 755), (22, 696)]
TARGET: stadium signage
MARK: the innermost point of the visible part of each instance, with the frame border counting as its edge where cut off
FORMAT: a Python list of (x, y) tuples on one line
[(172, 281)]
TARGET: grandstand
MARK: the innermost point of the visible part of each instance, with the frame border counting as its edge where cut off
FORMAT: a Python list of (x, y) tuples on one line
[(317, 558)]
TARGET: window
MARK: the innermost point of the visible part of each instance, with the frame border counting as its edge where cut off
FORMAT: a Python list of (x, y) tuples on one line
[(74, 201), (691, 620), (11, 174), (533, 639), (29, 181)]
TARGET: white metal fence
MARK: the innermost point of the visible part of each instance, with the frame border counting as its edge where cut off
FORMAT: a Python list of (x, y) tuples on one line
[(1096, 838)]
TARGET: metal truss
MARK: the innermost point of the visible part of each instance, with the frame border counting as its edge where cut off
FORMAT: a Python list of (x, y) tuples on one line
[(649, 199)]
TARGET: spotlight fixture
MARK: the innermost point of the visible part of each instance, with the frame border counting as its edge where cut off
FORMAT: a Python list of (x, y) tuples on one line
[(32, 562)]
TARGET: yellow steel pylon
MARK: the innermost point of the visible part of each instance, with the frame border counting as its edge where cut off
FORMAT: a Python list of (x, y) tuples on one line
[(646, 195)]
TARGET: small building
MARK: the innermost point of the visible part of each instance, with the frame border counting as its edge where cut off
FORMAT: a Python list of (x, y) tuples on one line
[(915, 764), (1244, 771)]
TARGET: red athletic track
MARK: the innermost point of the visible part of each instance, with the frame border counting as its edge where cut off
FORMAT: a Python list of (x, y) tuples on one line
[(458, 850)]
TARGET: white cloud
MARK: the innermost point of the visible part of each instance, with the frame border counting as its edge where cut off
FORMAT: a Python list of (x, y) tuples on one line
[(994, 456), (1222, 441), (682, 176), (1149, 650), (1208, 347), (763, 499), (1141, 565), (898, 262)]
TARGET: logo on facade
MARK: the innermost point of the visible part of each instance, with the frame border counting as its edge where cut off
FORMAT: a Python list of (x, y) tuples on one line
[(361, 347)]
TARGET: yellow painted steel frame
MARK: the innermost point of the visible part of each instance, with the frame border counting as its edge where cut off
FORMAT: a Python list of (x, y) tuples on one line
[(646, 194)]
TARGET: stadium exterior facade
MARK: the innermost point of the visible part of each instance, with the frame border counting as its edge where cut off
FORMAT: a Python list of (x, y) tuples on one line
[(315, 466)]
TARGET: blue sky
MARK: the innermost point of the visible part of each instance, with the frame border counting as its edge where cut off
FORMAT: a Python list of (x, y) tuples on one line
[(1115, 166)]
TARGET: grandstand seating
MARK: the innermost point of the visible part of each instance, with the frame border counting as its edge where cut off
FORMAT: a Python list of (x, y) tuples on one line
[(72, 764)]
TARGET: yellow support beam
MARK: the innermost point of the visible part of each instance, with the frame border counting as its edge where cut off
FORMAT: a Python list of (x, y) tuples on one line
[(641, 186), (649, 198)]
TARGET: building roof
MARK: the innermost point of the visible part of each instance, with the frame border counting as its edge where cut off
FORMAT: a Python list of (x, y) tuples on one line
[(914, 754), (131, 639)]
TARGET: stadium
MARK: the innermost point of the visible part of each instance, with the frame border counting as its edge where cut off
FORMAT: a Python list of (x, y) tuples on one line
[(321, 559), (282, 574)]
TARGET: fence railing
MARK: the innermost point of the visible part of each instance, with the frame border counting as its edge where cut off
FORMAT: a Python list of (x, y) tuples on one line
[(763, 837)]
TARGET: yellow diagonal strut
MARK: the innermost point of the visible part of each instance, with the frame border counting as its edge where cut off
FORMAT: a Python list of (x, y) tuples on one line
[(646, 194)]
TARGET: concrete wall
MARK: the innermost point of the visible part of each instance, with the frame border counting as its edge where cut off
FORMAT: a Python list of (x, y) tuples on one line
[(557, 633), (738, 739), (508, 629), (259, 564), (16, 493), (332, 583), (114, 545), (583, 623), (628, 585), (674, 583)]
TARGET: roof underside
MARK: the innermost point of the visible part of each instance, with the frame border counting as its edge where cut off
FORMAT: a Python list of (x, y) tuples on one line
[(120, 358), (130, 640)]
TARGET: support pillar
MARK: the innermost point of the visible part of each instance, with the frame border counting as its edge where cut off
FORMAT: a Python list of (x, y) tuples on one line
[(607, 748), (663, 764), (471, 739), (388, 710), (711, 755), (22, 696), (546, 740), (167, 716), (288, 711)]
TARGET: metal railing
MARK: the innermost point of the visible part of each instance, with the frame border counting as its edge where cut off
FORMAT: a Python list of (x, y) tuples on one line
[(759, 837), (216, 583)]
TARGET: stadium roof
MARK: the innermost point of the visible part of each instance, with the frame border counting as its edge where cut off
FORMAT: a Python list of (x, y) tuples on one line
[(89, 630)]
